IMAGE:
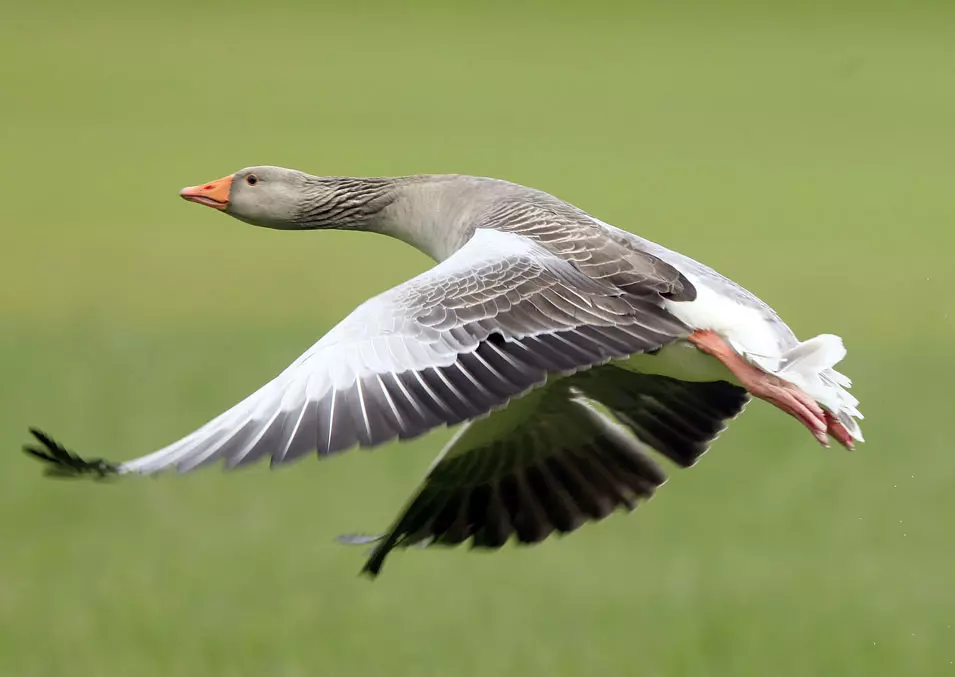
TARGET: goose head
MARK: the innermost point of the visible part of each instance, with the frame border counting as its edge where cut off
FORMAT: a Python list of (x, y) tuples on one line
[(273, 197)]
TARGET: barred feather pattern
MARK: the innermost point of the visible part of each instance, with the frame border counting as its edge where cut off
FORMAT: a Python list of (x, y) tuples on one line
[(463, 339)]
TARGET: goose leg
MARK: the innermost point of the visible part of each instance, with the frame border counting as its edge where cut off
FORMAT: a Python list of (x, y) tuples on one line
[(781, 394)]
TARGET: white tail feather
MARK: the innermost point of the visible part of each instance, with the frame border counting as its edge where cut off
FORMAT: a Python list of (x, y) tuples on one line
[(818, 353), (809, 365)]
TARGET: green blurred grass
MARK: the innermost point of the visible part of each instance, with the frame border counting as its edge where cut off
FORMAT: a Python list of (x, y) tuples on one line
[(807, 152)]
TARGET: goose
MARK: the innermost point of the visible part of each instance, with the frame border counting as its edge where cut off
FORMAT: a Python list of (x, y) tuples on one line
[(576, 355)]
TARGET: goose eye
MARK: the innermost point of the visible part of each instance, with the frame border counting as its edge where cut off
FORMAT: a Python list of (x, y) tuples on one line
[(251, 179)]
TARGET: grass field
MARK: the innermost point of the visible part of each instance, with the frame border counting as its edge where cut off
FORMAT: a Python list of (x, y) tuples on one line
[(808, 153)]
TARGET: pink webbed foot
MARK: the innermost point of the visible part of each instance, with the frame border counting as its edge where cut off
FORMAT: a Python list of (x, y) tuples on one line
[(781, 394), (837, 430)]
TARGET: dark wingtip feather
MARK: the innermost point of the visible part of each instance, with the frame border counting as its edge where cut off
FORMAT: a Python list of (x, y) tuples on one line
[(62, 463), (373, 566)]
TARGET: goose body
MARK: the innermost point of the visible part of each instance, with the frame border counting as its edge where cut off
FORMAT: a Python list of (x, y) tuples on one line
[(573, 352)]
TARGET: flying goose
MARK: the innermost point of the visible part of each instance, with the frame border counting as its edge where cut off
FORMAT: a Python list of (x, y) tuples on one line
[(572, 351)]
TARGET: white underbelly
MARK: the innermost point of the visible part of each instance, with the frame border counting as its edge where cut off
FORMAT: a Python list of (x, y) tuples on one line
[(742, 326)]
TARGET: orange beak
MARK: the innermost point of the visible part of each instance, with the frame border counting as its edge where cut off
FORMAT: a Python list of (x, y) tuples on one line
[(214, 194)]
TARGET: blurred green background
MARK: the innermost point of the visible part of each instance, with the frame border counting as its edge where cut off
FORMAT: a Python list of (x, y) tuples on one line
[(804, 149)]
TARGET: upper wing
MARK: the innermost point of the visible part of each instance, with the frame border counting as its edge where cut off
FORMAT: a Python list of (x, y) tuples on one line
[(449, 345), (599, 250)]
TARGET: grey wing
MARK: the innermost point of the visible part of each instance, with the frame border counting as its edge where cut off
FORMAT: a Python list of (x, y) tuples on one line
[(554, 459), (464, 338), (600, 251)]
